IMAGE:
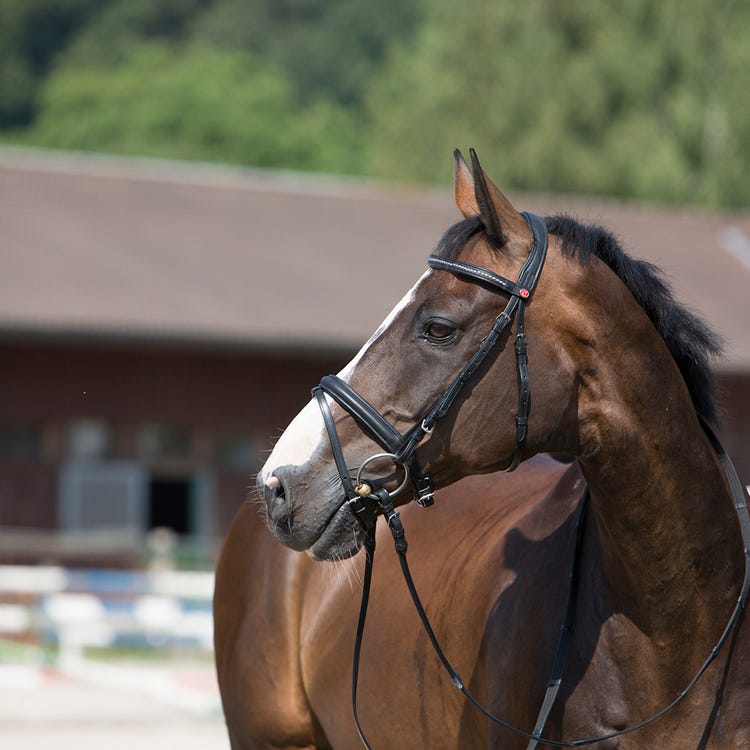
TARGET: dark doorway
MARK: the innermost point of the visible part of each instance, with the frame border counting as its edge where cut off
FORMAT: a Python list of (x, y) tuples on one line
[(169, 504)]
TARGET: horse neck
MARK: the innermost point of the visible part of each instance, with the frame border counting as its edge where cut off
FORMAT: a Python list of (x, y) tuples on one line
[(669, 539)]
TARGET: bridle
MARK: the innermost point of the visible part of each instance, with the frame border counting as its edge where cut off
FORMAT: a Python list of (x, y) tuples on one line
[(401, 448), (368, 499)]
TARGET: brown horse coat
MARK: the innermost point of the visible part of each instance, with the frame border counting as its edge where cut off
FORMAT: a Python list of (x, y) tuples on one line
[(285, 624), (620, 375)]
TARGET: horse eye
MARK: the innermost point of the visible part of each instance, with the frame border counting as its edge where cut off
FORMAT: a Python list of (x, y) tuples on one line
[(439, 331)]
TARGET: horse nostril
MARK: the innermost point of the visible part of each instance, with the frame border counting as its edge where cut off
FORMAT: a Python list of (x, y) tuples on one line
[(275, 488), (277, 501)]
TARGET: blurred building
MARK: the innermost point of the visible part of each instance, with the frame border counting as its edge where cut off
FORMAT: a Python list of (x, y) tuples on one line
[(161, 323)]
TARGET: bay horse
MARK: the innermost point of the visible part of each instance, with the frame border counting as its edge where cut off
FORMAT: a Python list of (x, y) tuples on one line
[(607, 370)]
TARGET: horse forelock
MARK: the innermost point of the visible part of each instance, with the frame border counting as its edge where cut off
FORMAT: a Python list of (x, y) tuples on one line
[(457, 236), (692, 343)]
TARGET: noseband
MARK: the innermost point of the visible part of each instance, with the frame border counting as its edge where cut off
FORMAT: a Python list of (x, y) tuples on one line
[(401, 448)]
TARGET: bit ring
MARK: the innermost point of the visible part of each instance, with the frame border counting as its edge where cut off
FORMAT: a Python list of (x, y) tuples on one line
[(393, 457)]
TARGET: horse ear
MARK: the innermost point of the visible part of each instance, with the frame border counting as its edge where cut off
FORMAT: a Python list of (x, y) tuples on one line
[(501, 220), (463, 186)]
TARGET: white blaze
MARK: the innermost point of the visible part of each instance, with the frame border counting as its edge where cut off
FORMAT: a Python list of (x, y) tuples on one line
[(298, 442), (306, 432)]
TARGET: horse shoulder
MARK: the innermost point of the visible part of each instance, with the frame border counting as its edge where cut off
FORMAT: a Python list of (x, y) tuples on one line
[(458, 551), (259, 585)]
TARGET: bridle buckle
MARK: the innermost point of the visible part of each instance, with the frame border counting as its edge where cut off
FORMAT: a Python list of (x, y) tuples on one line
[(425, 491)]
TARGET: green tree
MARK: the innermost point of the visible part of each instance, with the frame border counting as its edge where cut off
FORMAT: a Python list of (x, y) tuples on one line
[(110, 33), (624, 97), (198, 103), (328, 49), (32, 33), (629, 98)]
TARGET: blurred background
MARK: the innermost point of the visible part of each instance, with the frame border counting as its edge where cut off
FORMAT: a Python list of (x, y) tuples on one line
[(205, 205)]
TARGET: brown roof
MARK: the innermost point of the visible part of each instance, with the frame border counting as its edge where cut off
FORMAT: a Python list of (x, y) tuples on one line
[(127, 247)]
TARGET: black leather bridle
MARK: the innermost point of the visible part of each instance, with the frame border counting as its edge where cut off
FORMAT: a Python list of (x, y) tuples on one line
[(401, 448), (369, 499)]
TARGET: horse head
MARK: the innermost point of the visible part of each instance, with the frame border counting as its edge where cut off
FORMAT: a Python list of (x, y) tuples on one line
[(417, 353)]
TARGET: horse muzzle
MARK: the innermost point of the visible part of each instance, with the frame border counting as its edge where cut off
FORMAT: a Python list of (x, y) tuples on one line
[(322, 524)]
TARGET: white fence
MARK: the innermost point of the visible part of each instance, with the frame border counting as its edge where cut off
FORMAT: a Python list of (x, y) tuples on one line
[(75, 608)]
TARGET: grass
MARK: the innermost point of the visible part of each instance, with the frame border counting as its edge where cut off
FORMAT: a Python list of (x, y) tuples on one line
[(14, 652)]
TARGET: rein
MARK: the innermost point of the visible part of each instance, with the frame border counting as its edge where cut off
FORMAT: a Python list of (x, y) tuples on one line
[(367, 500), (535, 737)]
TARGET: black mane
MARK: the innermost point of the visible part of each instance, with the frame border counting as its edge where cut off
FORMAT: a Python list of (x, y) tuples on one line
[(692, 343)]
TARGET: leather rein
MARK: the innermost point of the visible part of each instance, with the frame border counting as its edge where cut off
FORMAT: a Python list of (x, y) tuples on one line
[(367, 500)]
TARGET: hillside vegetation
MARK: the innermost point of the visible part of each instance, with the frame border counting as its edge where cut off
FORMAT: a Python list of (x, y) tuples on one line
[(622, 97)]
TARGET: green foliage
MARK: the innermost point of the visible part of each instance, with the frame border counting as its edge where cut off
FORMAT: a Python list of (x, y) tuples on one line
[(629, 98), (195, 103), (121, 25), (624, 97), (32, 32), (329, 49)]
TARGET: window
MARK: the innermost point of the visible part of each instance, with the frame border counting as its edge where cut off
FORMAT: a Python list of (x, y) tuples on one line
[(103, 495), (169, 504), (160, 441), (19, 443), (89, 438)]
